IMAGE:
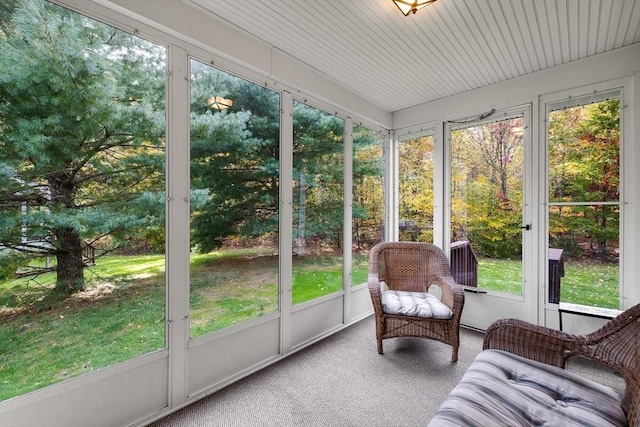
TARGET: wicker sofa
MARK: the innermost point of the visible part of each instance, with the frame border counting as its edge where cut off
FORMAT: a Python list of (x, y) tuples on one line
[(519, 378)]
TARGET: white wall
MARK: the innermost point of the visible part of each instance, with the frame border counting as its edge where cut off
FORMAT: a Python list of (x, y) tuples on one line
[(623, 62)]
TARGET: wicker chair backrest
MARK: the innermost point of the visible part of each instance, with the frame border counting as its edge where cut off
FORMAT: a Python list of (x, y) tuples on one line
[(413, 267)]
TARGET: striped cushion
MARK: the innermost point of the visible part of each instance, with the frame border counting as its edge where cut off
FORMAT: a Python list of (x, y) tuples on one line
[(502, 389), (418, 304)]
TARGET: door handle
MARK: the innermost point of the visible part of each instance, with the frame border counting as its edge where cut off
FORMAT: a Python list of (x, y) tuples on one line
[(526, 227)]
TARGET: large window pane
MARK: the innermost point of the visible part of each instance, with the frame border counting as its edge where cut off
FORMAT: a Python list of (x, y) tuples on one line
[(415, 166), (82, 150), (590, 253), (584, 153), (318, 208), (486, 200), (584, 208), (234, 199), (368, 198)]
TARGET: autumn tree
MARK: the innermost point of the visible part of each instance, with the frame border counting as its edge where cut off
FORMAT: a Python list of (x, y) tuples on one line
[(416, 189), (584, 172), (487, 187)]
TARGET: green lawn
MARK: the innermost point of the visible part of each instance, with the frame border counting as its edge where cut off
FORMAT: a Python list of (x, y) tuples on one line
[(583, 283), (229, 287), (122, 313), (500, 275), (46, 340)]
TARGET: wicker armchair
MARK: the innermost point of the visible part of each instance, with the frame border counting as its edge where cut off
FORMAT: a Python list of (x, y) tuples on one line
[(411, 267), (616, 344)]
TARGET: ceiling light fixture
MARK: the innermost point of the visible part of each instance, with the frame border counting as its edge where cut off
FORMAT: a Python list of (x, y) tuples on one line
[(219, 103), (408, 7)]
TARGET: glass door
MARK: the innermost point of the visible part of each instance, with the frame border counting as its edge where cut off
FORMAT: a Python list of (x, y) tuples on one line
[(488, 225)]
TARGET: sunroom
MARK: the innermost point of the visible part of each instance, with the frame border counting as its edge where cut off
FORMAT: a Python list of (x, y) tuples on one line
[(190, 188)]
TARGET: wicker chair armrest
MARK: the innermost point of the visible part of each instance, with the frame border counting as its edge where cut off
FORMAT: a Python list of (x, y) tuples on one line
[(452, 293), (533, 342), (373, 284)]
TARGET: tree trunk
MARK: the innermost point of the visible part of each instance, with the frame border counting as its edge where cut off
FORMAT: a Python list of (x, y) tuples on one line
[(70, 269), (302, 215)]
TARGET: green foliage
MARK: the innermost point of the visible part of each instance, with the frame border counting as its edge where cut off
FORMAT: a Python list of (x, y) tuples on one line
[(486, 199), (416, 189), (584, 153), (235, 156), (487, 168), (368, 205), (10, 263), (584, 167), (82, 134), (234, 159), (318, 173)]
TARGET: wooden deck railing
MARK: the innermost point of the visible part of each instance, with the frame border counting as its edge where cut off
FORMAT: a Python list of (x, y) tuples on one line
[(464, 267), (464, 263)]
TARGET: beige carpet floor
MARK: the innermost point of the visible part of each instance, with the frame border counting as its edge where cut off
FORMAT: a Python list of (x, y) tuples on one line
[(342, 381)]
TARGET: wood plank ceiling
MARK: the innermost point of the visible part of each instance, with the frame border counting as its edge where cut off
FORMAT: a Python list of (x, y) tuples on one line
[(449, 47)]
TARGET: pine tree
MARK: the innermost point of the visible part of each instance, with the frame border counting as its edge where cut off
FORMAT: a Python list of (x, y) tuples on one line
[(81, 138)]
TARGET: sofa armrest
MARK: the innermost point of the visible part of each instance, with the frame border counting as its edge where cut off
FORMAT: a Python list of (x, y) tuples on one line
[(533, 342), (616, 344)]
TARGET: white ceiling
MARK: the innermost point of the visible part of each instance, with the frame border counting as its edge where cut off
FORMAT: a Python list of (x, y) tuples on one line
[(449, 47)]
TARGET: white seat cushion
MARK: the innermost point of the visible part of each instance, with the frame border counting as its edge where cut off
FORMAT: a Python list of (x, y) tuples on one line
[(417, 304)]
